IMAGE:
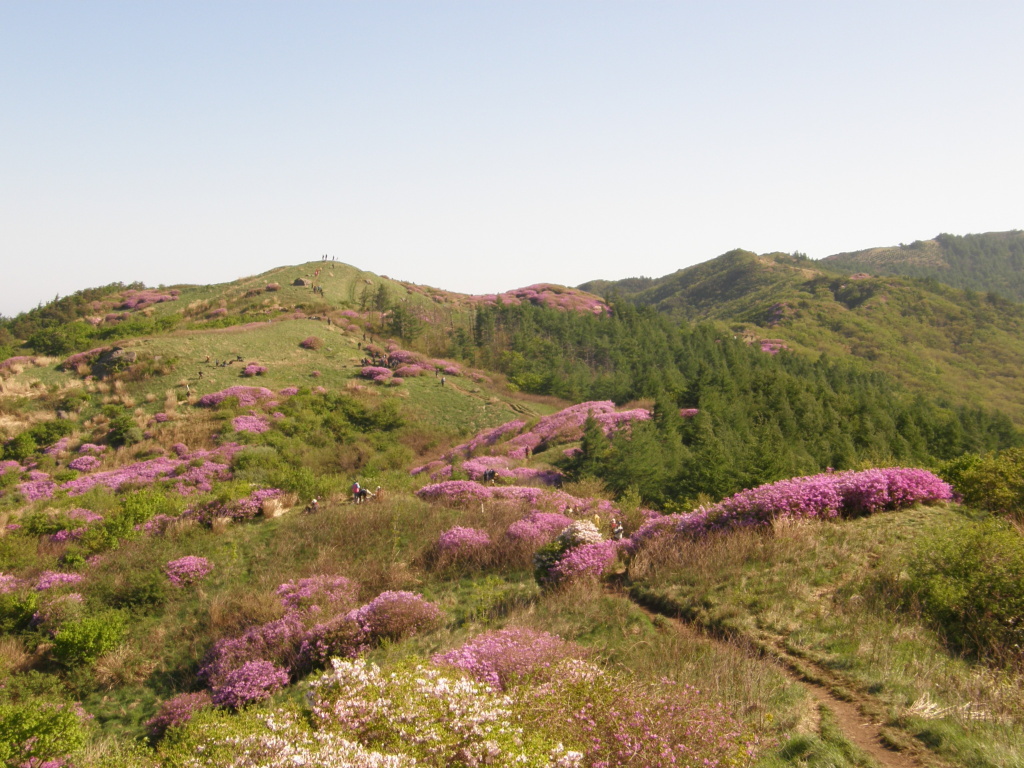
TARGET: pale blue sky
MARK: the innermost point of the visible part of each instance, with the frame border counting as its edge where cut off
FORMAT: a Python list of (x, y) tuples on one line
[(482, 146)]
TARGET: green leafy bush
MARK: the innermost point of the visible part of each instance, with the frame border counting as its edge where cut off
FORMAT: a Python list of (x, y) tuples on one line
[(969, 581), (17, 609), (36, 731), (82, 642), (994, 482)]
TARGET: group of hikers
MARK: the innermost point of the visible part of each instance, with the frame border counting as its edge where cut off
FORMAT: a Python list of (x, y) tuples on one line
[(359, 495)]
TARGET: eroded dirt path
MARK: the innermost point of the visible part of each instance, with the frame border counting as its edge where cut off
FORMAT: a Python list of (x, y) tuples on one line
[(852, 710)]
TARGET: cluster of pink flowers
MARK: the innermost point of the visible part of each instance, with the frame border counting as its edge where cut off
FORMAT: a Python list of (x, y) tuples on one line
[(461, 540), (247, 396), (187, 478), (253, 681), (311, 342), (463, 491), (254, 369), (186, 571), (9, 583), (68, 535), (289, 391), (396, 613), (538, 528), (141, 299), (486, 438), (84, 463), (251, 423), (59, 447), (9, 465), (502, 657), (376, 373), (10, 362), (547, 295), (585, 561), (824, 496), (91, 448), (85, 515), (50, 579), (773, 346), (321, 592), (245, 508), (177, 711), (80, 358)]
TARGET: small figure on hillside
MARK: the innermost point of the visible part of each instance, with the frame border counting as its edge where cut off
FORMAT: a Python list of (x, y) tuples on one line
[(442, 381), (207, 359), (200, 374), (313, 506), (489, 475), (356, 491), (616, 529)]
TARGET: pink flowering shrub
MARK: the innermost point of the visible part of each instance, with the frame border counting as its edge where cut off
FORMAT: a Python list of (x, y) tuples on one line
[(587, 561), (332, 593), (91, 448), (276, 641), (177, 711), (255, 424), (254, 369), (311, 342), (500, 658), (247, 396), (58, 447), (251, 682), (375, 373), (84, 463), (189, 570), (394, 614), (83, 358), (289, 391), (538, 528), (50, 579), (9, 583), (245, 508), (134, 299), (460, 540), (815, 496)]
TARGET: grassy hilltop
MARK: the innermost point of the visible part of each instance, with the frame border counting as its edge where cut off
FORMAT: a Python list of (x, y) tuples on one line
[(603, 537)]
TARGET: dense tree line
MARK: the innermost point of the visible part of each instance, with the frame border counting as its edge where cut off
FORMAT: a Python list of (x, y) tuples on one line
[(760, 417)]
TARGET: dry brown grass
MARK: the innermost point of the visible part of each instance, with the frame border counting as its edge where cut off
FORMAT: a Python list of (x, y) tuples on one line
[(232, 613), (14, 657), (126, 665)]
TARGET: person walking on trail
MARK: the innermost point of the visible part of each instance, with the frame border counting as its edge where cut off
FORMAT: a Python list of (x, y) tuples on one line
[(616, 529), (442, 381)]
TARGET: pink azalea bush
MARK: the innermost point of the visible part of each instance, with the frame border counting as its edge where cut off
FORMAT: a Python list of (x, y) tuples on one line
[(254, 369), (177, 711), (84, 463), (397, 613), (461, 540), (186, 571), (826, 495), (375, 373), (586, 561), (247, 396), (502, 657), (538, 528), (50, 579), (251, 682), (319, 592), (252, 423)]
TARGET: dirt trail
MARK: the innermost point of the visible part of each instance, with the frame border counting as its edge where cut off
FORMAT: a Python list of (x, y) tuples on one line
[(851, 712)]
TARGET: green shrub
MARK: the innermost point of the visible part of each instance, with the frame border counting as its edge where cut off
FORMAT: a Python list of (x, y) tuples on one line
[(33, 732), (124, 431), (994, 482), (969, 581), (17, 609), (20, 447), (82, 642)]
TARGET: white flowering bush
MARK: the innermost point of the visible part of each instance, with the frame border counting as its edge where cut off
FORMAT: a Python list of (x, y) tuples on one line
[(439, 718)]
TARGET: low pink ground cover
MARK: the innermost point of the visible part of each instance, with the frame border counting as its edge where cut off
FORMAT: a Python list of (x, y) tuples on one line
[(376, 373), (84, 463), (586, 561), (254, 369), (189, 570), (177, 711), (462, 540), (251, 682), (255, 424), (247, 396), (538, 528), (500, 658), (319, 592), (50, 579)]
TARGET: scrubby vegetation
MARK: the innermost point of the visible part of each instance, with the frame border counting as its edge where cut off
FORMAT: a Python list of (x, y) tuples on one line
[(186, 577)]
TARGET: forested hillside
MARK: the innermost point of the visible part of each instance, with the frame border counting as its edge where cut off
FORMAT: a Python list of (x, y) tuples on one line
[(959, 345), (990, 262)]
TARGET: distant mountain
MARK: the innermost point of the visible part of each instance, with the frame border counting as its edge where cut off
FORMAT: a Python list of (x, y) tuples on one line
[(993, 261), (960, 345)]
